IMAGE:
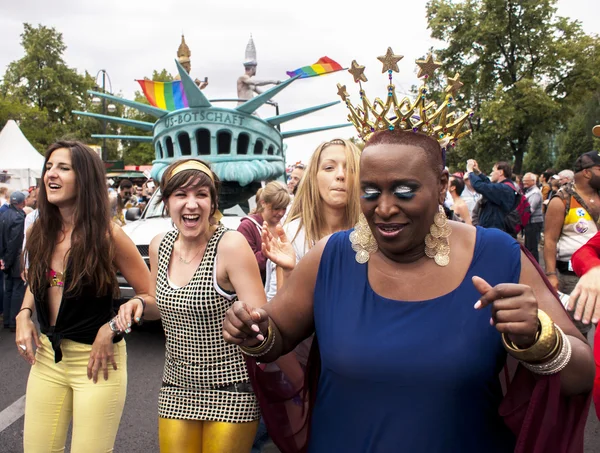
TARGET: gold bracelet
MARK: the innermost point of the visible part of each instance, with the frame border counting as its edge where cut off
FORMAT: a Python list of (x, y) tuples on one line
[(264, 347), (545, 346), (556, 364)]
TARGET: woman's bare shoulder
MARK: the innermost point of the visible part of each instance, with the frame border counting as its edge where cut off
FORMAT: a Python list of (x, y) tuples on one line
[(463, 236)]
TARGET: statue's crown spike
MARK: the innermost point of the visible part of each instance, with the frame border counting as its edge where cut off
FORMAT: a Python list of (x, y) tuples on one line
[(418, 115)]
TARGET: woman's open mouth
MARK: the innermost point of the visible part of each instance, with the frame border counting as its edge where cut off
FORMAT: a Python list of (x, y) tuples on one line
[(389, 230), (190, 220)]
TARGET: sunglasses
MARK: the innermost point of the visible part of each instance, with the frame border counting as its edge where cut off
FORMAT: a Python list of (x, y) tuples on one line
[(336, 141)]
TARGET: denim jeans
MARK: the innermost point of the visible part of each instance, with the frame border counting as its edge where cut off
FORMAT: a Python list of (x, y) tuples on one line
[(14, 291), (533, 233), (2, 295)]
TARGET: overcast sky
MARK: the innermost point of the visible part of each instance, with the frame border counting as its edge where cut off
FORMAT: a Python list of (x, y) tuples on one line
[(131, 38)]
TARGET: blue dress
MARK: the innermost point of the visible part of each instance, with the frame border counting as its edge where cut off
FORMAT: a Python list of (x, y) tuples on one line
[(409, 377)]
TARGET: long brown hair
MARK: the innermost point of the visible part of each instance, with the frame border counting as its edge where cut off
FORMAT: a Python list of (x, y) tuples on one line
[(308, 204), (90, 258)]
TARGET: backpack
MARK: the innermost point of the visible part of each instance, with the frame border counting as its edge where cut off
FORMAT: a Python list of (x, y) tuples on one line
[(518, 217)]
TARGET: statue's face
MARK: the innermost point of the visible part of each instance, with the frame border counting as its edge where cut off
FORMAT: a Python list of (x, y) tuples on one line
[(187, 66), (251, 70)]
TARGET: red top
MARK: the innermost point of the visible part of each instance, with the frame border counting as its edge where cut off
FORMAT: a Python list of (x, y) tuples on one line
[(583, 260), (587, 256), (251, 227)]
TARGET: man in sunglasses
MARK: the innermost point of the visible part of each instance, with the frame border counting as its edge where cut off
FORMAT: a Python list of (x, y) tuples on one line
[(126, 194)]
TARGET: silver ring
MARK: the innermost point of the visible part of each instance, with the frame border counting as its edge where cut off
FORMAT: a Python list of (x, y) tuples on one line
[(23, 347)]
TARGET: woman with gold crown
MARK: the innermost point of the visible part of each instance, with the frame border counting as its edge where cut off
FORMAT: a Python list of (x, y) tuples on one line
[(407, 350), (206, 403)]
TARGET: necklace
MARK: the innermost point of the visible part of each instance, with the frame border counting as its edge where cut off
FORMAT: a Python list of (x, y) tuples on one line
[(192, 259), (591, 200)]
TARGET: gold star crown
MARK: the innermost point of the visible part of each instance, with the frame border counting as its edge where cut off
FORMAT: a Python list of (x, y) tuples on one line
[(420, 115)]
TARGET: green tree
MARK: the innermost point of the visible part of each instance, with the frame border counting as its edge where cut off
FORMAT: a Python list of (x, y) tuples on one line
[(41, 77), (576, 142), (40, 92), (34, 123), (522, 65), (540, 153), (577, 137)]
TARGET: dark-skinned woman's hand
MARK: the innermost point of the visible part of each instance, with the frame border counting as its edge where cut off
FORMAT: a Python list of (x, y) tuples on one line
[(245, 325), (514, 310)]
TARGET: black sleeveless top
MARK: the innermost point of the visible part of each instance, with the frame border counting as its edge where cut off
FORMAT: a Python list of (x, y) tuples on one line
[(79, 316)]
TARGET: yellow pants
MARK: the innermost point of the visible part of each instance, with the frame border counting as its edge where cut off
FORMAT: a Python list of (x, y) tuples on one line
[(197, 436), (59, 392)]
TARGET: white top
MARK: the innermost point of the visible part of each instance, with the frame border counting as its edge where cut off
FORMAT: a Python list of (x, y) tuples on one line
[(298, 239), (449, 201), (470, 198)]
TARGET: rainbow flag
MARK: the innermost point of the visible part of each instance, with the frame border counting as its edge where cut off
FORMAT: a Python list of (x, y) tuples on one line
[(164, 95), (325, 65)]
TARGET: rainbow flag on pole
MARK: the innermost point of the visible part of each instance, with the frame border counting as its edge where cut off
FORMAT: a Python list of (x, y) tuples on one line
[(325, 65), (164, 95)]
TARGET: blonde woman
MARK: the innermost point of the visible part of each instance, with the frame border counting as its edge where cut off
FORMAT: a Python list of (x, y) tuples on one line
[(271, 204), (327, 201)]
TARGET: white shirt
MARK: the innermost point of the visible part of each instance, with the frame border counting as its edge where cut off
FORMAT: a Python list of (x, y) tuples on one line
[(470, 198), (449, 202)]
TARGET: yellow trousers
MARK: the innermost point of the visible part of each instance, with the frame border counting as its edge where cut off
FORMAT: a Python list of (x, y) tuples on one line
[(59, 392), (197, 436)]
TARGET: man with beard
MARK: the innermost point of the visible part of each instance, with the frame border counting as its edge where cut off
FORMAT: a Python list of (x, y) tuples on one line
[(572, 220)]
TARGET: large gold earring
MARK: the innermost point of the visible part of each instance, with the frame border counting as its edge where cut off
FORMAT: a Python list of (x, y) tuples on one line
[(437, 245), (363, 242)]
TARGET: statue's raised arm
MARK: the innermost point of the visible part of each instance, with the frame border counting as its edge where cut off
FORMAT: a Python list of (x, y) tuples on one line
[(247, 84)]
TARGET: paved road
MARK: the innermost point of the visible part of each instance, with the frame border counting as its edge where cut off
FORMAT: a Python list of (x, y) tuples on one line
[(138, 430)]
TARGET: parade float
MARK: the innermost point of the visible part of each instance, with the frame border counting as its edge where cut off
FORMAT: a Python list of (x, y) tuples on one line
[(242, 148)]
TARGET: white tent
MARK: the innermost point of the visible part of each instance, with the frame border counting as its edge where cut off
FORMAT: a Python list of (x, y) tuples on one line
[(18, 158)]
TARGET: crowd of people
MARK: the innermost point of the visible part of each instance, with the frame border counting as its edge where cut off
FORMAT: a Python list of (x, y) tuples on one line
[(557, 210), (375, 291), (125, 195)]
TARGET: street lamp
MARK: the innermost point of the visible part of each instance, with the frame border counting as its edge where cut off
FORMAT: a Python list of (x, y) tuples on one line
[(110, 108)]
